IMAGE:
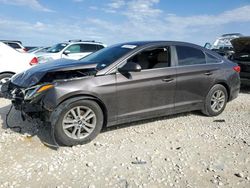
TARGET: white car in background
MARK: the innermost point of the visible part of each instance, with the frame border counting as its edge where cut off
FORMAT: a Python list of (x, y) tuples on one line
[(73, 49), (12, 62), (38, 50), (17, 45)]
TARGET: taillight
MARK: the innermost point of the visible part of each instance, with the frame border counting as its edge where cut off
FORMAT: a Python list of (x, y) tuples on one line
[(237, 68), (34, 61)]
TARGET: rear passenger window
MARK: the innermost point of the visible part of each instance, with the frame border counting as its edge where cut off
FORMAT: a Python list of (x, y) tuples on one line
[(190, 56), (88, 48), (211, 59), (99, 47)]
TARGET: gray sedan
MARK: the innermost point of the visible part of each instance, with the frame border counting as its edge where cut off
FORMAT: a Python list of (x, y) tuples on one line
[(124, 83)]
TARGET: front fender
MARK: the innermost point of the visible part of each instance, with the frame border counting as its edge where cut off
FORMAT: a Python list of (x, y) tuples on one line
[(54, 98), (74, 99)]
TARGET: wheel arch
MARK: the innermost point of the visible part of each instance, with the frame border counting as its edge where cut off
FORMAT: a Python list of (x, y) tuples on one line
[(224, 84), (89, 97), (7, 72)]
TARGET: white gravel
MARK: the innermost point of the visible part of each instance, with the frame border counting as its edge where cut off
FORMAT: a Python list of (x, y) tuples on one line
[(185, 150)]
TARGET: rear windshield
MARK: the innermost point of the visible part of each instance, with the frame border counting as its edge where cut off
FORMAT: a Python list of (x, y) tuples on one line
[(33, 50), (14, 45)]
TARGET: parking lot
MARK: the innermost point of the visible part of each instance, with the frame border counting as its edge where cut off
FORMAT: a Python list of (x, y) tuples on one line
[(185, 150)]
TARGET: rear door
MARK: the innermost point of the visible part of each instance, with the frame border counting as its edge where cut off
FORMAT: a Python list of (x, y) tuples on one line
[(148, 93), (87, 49), (195, 77)]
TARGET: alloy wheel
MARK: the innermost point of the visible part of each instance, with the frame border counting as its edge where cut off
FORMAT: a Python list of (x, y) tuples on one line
[(79, 122), (218, 100)]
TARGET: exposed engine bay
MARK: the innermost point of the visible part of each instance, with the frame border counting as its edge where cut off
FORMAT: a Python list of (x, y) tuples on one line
[(28, 99), (65, 75)]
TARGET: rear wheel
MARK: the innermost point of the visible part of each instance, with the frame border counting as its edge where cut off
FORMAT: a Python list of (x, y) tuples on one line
[(78, 122), (216, 100)]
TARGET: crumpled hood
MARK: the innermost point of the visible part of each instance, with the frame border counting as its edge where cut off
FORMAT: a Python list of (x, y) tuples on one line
[(33, 75), (241, 46)]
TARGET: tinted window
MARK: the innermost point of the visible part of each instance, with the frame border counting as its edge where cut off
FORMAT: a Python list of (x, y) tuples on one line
[(211, 59), (190, 56), (99, 47), (14, 45), (88, 48)]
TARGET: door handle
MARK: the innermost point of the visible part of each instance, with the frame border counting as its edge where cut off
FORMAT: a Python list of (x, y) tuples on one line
[(208, 73), (167, 79)]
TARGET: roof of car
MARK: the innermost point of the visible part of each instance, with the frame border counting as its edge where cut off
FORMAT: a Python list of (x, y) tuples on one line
[(84, 41), (143, 43), (15, 41)]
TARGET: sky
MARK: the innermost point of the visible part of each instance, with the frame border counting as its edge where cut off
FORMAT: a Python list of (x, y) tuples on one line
[(46, 22)]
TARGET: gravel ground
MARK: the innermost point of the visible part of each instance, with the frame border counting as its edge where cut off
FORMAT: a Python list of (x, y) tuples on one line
[(185, 150)]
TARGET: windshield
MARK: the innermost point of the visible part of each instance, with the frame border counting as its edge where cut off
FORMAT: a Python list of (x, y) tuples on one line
[(107, 56), (57, 48)]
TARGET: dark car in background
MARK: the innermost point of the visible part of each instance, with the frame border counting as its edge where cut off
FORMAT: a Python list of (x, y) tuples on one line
[(124, 83), (241, 56)]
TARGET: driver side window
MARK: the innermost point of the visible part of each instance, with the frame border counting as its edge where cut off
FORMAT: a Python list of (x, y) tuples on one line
[(152, 58)]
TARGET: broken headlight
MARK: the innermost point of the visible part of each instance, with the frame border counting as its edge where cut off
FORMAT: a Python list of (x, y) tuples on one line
[(36, 90)]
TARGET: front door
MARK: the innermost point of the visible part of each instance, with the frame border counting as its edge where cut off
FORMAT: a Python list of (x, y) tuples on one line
[(148, 93), (76, 52)]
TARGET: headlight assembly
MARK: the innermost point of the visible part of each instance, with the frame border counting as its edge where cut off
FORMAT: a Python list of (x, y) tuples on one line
[(36, 90)]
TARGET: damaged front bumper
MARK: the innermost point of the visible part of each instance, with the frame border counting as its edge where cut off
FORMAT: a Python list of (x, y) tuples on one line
[(29, 101)]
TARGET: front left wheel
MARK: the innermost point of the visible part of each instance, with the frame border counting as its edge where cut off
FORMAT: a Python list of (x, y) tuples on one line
[(78, 122)]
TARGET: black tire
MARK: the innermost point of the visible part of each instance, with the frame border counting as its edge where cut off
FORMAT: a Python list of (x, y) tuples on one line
[(4, 76), (208, 106), (62, 110)]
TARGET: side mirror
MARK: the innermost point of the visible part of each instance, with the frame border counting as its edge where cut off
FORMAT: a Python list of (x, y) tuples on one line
[(66, 52), (130, 67), (208, 46)]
